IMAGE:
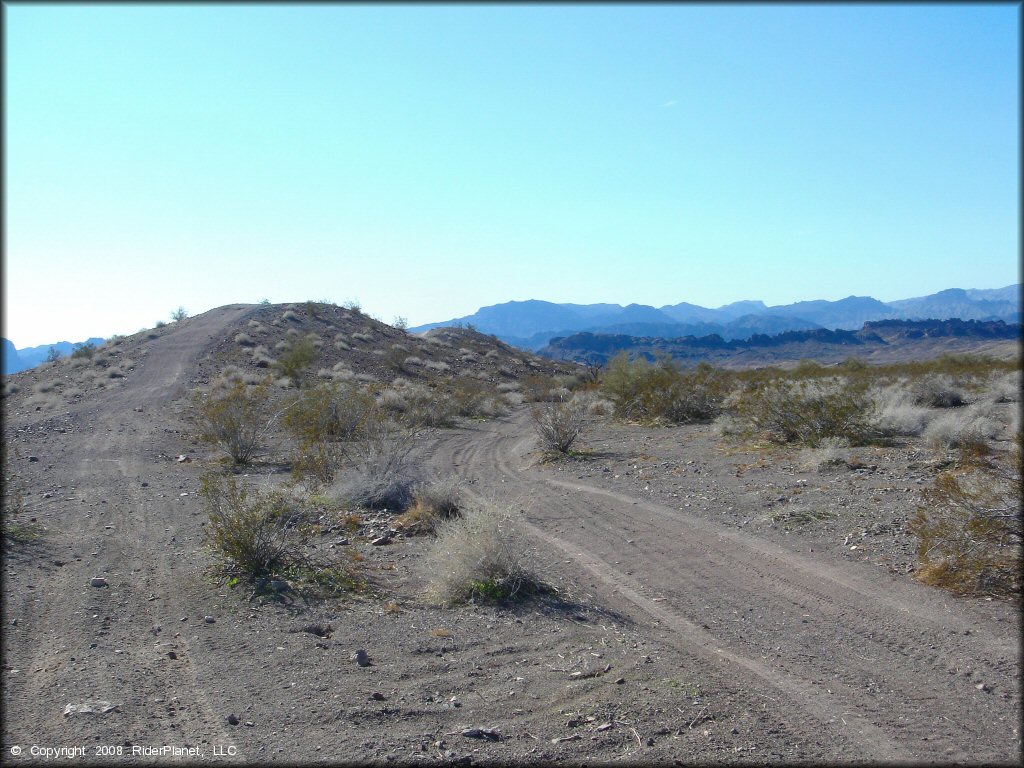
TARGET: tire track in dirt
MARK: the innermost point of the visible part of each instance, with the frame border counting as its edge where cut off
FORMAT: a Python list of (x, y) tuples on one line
[(131, 537), (891, 677)]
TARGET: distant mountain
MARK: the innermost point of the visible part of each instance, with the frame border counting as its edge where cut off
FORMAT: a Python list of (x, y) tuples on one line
[(12, 362), (531, 324), (879, 341), (22, 359), (958, 303)]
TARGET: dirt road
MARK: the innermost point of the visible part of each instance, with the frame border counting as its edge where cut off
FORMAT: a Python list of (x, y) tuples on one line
[(888, 667)]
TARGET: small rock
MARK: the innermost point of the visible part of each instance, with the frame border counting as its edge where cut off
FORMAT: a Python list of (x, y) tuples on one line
[(604, 727), (233, 719), (209, 619), (99, 581), (620, 681), (249, 723), (984, 687), (361, 658), (182, 459), (377, 696), (560, 739), (482, 733), (89, 708), (382, 540), (33, 458), (172, 655)]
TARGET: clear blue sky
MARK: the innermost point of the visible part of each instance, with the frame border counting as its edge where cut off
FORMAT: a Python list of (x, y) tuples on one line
[(426, 160)]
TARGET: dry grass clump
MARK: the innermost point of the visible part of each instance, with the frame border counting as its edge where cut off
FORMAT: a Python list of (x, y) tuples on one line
[(342, 345), (594, 403), (967, 427), (480, 556), (433, 502), (362, 336), (938, 391), (558, 425), (1005, 388), (256, 325), (437, 365), (970, 529), (244, 340), (290, 315), (261, 356), (380, 473), (509, 386), (831, 453), (896, 412)]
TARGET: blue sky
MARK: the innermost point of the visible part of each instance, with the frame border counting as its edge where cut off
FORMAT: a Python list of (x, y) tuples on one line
[(426, 160)]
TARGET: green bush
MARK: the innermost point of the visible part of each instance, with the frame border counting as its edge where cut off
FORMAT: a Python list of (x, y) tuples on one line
[(296, 360), (324, 421), (84, 350), (806, 411), (236, 420), (255, 534), (662, 391)]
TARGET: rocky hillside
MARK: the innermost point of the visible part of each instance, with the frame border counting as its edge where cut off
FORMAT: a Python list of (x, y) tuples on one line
[(347, 344)]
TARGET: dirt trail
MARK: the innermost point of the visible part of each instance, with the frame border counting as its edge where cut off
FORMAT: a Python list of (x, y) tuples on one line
[(122, 522), (867, 658)]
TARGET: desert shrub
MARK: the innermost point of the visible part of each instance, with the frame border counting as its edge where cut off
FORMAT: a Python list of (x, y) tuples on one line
[(236, 421), (593, 403), (324, 421), (1005, 388), (362, 336), (432, 503), (969, 531), (261, 356), (661, 391), (961, 428), (256, 325), (400, 323), (290, 315), (255, 534), (537, 388), (558, 425), (159, 324), (379, 471), (437, 365), (53, 355), (17, 531), (895, 411), (296, 360), (85, 350), (514, 398), (244, 340), (806, 411), (479, 556), (179, 314), (938, 391), (509, 386), (830, 453)]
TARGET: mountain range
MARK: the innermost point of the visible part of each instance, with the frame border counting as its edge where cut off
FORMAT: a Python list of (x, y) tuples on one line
[(532, 324), (22, 359)]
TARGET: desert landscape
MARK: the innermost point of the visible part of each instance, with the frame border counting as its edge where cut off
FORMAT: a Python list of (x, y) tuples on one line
[(274, 534)]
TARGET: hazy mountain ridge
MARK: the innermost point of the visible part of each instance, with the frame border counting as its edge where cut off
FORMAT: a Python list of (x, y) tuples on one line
[(876, 339), (16, 360), (532, 324)]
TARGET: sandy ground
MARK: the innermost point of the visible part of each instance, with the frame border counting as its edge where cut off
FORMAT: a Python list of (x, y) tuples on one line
[(703, 614)]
